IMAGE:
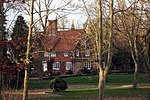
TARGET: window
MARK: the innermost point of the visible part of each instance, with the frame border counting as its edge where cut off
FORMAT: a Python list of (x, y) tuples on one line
[(46, 54), (87, 65), (44, 63), (68, 65), (56, 66), (53, 54), (66, 54), (87, 53), (77, 53)]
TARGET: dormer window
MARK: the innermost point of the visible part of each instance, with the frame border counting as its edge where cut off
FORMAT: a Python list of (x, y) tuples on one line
[(87, 53), (53, 54), (65, 54)]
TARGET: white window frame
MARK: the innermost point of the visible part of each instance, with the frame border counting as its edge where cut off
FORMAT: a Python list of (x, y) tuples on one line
[(46, 54), (69, 65), (77, 53), (87, 65), (87, 53), (44, 64), (53, 54), (56, 66), (66, 54)]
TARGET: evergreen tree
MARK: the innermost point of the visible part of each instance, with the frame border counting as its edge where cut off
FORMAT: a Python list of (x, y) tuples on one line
[(19, 47), (2, 21), (19, 38), (20, 28)]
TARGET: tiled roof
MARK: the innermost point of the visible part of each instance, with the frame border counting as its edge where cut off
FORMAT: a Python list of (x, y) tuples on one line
[(63, 40)]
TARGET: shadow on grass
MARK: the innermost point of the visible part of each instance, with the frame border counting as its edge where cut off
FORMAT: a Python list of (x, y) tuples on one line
[(92, 94)]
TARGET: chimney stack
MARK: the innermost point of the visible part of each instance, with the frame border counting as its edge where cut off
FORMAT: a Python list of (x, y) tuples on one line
[(72, 25), (52, 27)]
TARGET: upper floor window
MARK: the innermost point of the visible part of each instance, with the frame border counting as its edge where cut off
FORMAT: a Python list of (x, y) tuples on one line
[(65, 54), (46, 54), (87, 53), (53, 54), (56, 66), (87, 65)]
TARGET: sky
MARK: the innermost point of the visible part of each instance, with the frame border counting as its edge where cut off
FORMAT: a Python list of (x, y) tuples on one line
[(77, 16)]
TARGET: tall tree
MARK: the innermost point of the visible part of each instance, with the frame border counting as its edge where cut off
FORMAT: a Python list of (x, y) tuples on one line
[(27, 61), (19, 36), (103, 69), (102, 38), (132, 23), (20, 28), (99, 40)]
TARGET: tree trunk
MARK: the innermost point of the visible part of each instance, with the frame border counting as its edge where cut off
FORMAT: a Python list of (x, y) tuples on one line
[(25, 90), (135, 60), (135, 80), (104, 69), (101, 84), (40, 71), (99, 40)]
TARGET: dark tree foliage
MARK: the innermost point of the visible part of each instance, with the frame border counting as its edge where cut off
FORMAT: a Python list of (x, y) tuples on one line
[(58, 85), (13, 69), (2, 21), (2, 30), (20, 28), (19, 39), (122, 60)]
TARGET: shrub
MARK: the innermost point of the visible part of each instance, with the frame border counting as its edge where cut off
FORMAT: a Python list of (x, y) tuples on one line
[(58, 85), (84, 70), (69, 72)]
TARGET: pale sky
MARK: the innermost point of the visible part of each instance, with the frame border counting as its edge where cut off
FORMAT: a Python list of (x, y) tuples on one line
[(76, 16)]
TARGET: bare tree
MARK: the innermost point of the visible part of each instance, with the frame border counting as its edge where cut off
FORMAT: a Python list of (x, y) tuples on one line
[(131, 21), (25, 90), (42, 11), (102, 40)]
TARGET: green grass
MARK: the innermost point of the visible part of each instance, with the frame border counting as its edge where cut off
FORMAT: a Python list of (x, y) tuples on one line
[(82, 80), (114, 80), (92, 94), (128, 92), (126, 79)]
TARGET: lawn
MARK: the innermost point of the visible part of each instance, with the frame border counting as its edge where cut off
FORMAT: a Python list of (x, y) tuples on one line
[(113, 80), (92, 94), (115, 87)]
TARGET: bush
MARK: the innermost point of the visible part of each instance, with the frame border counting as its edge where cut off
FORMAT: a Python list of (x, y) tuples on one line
[(84, 70), (58, 85), (69, 72)]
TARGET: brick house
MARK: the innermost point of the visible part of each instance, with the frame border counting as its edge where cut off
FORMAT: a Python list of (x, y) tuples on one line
[(64, 52)]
